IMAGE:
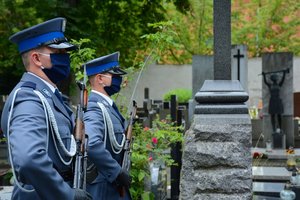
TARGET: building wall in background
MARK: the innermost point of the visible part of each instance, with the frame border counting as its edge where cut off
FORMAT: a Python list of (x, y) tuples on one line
[(163, 78)]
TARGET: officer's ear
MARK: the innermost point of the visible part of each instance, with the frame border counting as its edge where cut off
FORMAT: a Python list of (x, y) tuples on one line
[(99, 78), (35, 58)]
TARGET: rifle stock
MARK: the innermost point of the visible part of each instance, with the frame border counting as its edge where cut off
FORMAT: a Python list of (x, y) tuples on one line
[(81, 139)]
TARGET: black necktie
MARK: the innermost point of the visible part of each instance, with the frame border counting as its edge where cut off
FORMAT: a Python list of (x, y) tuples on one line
[(117, 110), (58, 95)]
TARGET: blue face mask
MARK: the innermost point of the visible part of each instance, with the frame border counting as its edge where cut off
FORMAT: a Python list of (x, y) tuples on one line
[(60, 67), (115, 86)]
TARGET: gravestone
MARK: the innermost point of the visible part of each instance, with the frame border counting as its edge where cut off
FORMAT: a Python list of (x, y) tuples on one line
[(239, 68), (202, 69), (276, 62), (216, 160)]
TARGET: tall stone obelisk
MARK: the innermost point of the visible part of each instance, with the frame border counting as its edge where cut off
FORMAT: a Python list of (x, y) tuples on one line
[(216, 161)]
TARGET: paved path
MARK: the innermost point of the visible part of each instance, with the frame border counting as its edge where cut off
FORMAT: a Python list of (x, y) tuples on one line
[(5, 192)]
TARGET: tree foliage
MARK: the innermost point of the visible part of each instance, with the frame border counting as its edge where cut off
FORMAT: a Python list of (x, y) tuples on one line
[(110, 25), (194, 30), (262, 25), (267, 25), (182, 28)]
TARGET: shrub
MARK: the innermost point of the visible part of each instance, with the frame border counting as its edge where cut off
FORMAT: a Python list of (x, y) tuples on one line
[(150, 145), (183, 95)]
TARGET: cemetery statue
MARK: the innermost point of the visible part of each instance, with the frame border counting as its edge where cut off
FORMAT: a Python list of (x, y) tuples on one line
[(275, 103)]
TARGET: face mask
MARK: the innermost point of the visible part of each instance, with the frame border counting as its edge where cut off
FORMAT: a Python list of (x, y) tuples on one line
[(115, 86), (60, 67)]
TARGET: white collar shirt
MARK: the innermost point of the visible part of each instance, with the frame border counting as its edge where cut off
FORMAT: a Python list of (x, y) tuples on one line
[(52, 88), (108, 99)]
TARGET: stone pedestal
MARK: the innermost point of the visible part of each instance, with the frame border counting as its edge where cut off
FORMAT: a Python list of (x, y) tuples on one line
[(216, 161)]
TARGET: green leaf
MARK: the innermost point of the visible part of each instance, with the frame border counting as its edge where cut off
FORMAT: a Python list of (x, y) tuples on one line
[(147, 196), (141, 176)]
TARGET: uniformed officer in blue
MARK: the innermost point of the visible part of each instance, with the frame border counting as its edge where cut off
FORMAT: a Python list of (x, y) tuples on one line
[(37, 124), (105, 127)]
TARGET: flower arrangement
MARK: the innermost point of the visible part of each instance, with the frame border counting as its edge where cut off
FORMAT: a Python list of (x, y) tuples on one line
[(151, 145), (258, 157)]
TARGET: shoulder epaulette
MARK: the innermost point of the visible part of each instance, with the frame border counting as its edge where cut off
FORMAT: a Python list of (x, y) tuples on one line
[(93, 99), (29, 85)]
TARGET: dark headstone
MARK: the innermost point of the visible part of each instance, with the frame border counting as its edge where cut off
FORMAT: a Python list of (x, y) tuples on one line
[(239, 67), (202, 69)]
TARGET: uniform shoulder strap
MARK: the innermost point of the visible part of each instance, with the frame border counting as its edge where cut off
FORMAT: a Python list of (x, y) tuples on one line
[(29, 84), (93, 99)]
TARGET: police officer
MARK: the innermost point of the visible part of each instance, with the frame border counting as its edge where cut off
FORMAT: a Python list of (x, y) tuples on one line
[(105, 127), (37, 124)]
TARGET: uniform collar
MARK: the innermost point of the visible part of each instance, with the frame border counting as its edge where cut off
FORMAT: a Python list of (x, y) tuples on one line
[(52, 88), (108, 99)]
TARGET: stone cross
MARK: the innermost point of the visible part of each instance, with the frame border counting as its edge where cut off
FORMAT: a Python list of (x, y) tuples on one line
[(222, 40), (216, 160)]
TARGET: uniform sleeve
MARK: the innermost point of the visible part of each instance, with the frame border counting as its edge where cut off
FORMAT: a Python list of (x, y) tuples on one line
[(28, 136), (94, 127)]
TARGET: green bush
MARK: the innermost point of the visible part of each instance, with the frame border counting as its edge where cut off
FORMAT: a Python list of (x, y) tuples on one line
[(150, 145), (183, 95)]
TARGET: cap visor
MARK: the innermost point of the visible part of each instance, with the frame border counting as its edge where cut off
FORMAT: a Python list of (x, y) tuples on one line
[(117, 71), (63, 45)]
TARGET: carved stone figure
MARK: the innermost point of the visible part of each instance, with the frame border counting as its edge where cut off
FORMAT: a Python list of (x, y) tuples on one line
[(274, 84)]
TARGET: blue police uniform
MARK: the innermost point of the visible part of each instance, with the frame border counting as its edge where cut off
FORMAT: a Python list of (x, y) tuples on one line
[(39, 161), (100, 150)]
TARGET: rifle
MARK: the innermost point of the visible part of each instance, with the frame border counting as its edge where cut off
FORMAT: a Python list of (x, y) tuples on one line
[(81, 139), (129, 139), (126, 163)]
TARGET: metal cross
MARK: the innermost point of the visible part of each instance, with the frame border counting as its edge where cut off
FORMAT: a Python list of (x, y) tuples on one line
[(238, 56)]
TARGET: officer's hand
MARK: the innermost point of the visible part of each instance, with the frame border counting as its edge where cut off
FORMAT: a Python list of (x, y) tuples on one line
[(123, 179), (82, 195)]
